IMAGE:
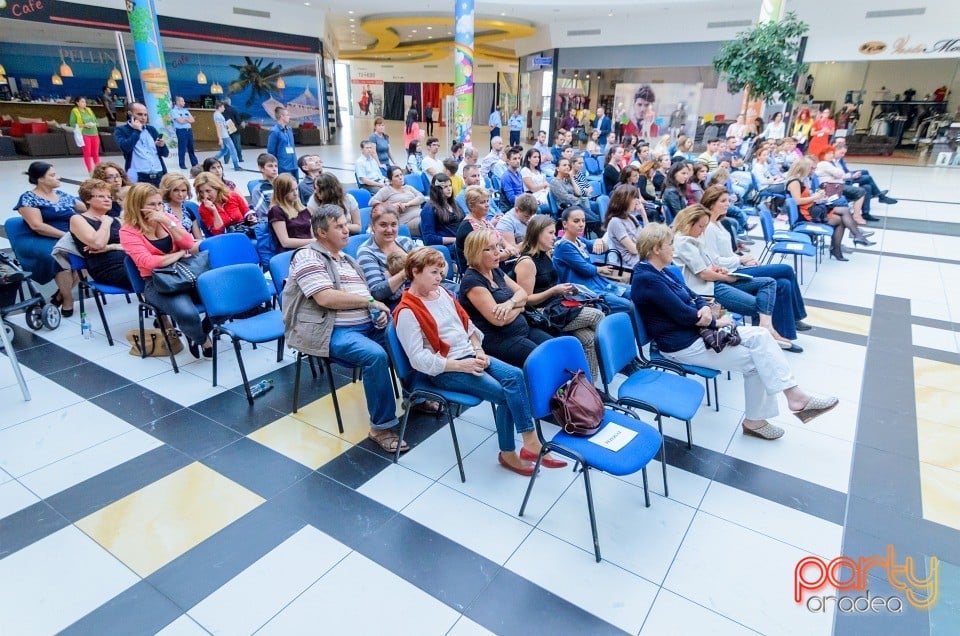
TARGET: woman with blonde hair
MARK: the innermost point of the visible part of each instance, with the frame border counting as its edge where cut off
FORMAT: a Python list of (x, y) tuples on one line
[(288, 218), (220, 208), (152, 238), (175, 191)]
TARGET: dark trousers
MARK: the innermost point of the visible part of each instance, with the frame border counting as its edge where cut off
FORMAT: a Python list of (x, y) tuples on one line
[(185, 147), (181, 307), (514, 137), (429, 126), (514, 350), (235, 137)]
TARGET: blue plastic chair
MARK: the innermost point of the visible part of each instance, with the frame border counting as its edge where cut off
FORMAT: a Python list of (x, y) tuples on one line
[(253, 184), (546, 371), (365, 219), (419, 387), (354, 243), (591, 165), (817, 232), (279, 271), (362, 196), (424, 183), (650, 388), (144, 308), (786, 247), (230, 249), (233, 290), (415, 180), (79, 264), (552, 205)]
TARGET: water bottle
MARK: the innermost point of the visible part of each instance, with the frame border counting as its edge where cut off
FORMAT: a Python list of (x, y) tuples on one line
[(261, 387), (85, 330), (374, 311)]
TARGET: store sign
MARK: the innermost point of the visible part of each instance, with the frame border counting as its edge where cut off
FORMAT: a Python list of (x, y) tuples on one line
[(872, 48), (903, 46), (543, 61)]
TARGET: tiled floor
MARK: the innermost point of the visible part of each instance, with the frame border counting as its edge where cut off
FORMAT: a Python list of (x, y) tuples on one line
[(136, 500)]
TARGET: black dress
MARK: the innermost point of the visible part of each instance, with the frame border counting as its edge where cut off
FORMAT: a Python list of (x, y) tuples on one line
[(105, 267)]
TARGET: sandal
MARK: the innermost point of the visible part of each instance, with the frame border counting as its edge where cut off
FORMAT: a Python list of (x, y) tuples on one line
[(388, 442), (429, 406), (815, 407), (767, 431)]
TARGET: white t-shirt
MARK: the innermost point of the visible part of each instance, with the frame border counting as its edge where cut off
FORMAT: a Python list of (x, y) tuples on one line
[(431, 166)]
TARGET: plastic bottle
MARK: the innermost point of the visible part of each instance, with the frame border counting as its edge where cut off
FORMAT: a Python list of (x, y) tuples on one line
[(261, 387), (374, 311), (85, 330)]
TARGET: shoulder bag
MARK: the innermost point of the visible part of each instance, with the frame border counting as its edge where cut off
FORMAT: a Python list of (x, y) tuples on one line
[(154, 344), (181, 276), (719, 338), (577, 407)]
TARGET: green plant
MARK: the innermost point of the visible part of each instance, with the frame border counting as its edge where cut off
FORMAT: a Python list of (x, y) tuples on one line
[(763, 60)]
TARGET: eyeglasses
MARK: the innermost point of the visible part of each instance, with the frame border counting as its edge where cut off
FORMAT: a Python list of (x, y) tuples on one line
[(101, 196)]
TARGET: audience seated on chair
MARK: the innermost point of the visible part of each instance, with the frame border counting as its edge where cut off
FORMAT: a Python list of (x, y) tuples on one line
[(373, 255), (97, 235), (329, 190), (477, 199), (443, 343), (407, 199), (367, 168), (674, 315), (221, 210), (119, 182), (622, 225), (571, 257), (214, 166), (441, 216), (289, 219), (176, 193), (513, 225), (261, 190), (327, 309)]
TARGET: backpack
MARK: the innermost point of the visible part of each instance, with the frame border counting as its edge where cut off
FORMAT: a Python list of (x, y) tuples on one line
[(577, 407), (266, 248)]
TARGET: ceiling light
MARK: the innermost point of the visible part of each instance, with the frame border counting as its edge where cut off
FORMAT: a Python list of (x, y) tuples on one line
[(306, 4), (115, 74), (281, 84), (201, 78), (413, 30), (350, 12), (352, 19), (429, 37), (3, 71), (429, 28), (111, 83), (216, 89), (56, 80)]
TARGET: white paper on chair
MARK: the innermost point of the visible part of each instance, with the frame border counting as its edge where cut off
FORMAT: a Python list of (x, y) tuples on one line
[(613, 437), (794, 246)]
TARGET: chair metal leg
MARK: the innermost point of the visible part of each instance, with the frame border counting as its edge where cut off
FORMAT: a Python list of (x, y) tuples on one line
[(716, 396), (533, 478), (313, 367), (663, 454), (593, 514), (296, 380), (243, 371), (215, 340), (646, 490), (143, 335), (103, 317), (689, 441), (706, 383), (333, 392), (456, 444), (403, 430), (166, 340), (280, 342), (82, 289)]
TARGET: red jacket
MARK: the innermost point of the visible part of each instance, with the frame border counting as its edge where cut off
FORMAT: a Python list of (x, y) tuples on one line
[(233, 210), (143, 253)]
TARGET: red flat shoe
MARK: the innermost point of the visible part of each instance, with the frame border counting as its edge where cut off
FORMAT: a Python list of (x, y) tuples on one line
[(526, 472), (547, 462)]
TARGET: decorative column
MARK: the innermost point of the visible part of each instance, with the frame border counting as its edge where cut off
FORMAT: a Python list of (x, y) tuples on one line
[(463, 69), (148, 48)]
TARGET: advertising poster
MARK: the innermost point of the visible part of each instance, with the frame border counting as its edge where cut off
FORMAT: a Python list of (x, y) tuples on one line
[(368, 98), (652, 110)]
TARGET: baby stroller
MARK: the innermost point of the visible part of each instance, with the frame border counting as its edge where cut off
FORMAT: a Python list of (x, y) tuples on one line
[(13, 298)]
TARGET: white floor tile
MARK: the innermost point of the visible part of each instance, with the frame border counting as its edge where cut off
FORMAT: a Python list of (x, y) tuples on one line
[(677, 616), (639, 539), (14, 497), (42, 592), (457, 516), (685, 487), (8, 378), (434, 456), (44, 440), (466, 627), (395, 486), (253, 597), (184, 388), (711, 429), (744, 576), (46, 398), (183, 626), (133, 368), (933, 338), (603, 589), (360, 597)]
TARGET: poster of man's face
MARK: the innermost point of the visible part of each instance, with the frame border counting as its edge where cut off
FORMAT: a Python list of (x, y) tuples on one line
[(648, 108), (643, 101)]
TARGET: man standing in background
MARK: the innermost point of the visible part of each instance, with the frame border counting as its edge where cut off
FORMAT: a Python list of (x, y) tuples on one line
[(280, 143), (495, 122), (231, 114), (515, 123), (182, 124), (428, 116)]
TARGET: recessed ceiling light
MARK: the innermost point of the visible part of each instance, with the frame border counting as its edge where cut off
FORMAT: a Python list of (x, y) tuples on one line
[(306, 4), (413, 30), (350, 12), (502, 13), (429, 37), (353, 19), (429, 28)]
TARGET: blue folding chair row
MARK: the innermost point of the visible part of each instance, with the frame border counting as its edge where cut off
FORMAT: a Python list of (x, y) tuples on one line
[(85, 285), (796, 246)]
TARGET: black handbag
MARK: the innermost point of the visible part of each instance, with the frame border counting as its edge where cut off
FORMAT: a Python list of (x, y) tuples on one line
[(552, 317), (181, 276), (719, 338)]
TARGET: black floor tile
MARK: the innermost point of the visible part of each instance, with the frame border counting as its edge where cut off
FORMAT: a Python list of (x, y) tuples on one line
[(191, 433), (24, 339), (256, 467), (281, 397), (888, 430), (354, 467), (111, 485), (232, 411), (88, 380), (140, 609), (196, 574), (28, 526), (48, 358), (885, 478), (513, 606), (910, 621), (909, 534), (136, 404)]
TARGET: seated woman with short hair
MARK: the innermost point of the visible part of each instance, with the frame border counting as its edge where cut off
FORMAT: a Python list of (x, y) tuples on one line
[(673, 316), (97, 235), (442, 342), (176, 192)]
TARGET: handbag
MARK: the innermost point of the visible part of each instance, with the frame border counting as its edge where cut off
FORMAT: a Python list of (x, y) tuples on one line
[(231, 127), (181, 276), (553, 316), (154, 344), (719, 338), (576, 406), (832, 189), (78, 137)]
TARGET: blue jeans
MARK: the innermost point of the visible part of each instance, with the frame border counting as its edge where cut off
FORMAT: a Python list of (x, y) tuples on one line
[(363, 346), (504, 387), (788, 292), (737, 215), (227, 150), (235, 137), (747, 297), (514, 137), (617, 297), (185, 147)]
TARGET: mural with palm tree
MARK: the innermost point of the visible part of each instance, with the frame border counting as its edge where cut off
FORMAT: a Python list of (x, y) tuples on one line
[(262, 81)]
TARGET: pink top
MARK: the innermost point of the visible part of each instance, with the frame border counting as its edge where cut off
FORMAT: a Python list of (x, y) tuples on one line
[(143, 253)]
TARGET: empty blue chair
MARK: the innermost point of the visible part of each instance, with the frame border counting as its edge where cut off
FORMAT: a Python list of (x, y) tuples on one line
[(591, 165), (144, 308), (546, 371), (786, 247), (279, 271), (233, 290), (361, 195), (552, 204), (79, 264), (650, 388), (253, 185), (416, 181), (403, 230), (230, 249), (419, 387)]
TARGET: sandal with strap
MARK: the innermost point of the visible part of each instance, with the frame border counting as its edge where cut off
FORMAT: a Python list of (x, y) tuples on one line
[(816, 406), (767, 431), (388, 442)]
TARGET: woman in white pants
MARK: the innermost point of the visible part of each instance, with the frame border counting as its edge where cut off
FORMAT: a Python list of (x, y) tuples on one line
[(673, 316)]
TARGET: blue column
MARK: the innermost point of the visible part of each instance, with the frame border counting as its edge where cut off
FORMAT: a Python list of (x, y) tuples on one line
[(463, 69), (148, 48)]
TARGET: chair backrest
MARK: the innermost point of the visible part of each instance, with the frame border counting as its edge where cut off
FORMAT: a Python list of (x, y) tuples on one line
[(414, 180), (136, 280), (676, 272), (793, 211), (554, 208), (361, 195), (591, 165), (253, 184), (233, 289), (814, 183), (616, 344), (279, 271), (424, 184), (766, 224), (77, 263), (17, 230), (365, 219), (401, 363), (545, 370), (354, 243), (230, 249), (603, 202), (643, 336), (403, 230)]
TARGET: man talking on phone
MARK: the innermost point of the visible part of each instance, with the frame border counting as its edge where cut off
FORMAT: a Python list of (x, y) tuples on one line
[(142, 145)]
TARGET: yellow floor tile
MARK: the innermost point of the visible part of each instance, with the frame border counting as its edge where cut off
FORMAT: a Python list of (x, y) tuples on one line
[(938, 405), (941, 495), (939, 444), (301, 442), (156, 524), (934, 373), (838, 320), (353, 408)]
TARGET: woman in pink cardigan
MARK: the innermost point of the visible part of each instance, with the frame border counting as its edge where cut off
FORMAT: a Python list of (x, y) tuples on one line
[(152, 238)]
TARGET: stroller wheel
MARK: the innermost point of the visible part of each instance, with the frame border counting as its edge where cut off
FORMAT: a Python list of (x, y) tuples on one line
[(51, 317), (34, 317)]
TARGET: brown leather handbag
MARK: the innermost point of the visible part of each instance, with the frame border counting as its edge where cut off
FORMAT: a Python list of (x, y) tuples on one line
[(577, 407)]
